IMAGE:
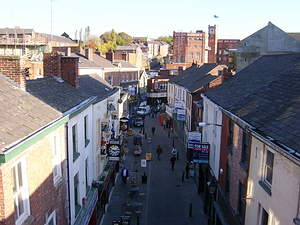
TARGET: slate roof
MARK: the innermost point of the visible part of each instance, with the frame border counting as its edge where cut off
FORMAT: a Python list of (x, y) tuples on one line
[(56, 38), (94, 85), (21, 114), (266, 94), (97, 62), (195, 77), (60, 95), (295, 35), (126, 48), (125, 64)]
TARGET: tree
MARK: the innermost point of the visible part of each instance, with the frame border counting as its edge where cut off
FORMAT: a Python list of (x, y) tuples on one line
[(168, 39), (111, 39)]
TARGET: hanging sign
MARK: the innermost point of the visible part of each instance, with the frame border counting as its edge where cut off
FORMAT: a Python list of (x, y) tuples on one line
[(124, 124), (201, 153), (113, 149)]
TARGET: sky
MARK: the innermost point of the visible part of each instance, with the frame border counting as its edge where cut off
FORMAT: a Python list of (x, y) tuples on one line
[(236, 18)]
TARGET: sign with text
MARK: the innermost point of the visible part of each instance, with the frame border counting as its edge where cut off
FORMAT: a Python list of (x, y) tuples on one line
[(181, 114), (200, 153), (143, 163), (113, 150)]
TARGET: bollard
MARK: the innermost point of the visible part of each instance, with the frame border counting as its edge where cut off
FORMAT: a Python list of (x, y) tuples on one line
[(191, 210)]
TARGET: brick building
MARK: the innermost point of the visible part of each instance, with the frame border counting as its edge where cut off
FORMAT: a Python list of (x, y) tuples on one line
[(224, 47), (157, 88), (33, 183), (198, 47)]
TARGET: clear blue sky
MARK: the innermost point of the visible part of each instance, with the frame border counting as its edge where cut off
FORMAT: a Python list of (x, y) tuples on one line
[(237, 18)]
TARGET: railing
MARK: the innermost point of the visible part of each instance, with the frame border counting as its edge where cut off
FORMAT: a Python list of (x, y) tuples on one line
[(20, 41)]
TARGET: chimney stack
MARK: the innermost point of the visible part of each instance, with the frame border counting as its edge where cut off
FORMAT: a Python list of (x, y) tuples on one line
[(12, 67), (109, 56), (226, 74), (89, 54)]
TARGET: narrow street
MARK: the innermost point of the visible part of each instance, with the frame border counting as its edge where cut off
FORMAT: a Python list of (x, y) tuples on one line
[(165, 199)]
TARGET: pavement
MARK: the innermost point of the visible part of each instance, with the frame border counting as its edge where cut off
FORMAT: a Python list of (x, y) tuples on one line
[(166, 199)]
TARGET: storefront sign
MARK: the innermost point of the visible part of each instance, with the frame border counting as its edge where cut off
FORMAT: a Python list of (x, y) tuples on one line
[(113, 150), (194, 138), (124, 124), (181, 114), (201, 153)]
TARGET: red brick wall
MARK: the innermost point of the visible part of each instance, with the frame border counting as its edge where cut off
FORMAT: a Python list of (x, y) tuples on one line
[(222, 47), (44, 197), (119, 76), (11, 67), (186, 44), (212, 43), (69, 70), (52, 65), (62, 66)]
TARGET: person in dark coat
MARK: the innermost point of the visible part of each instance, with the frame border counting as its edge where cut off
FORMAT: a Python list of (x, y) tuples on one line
[(153, 131), (158, 152), (173, 160)]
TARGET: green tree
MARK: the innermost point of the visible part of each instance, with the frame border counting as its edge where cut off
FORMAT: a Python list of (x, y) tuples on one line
[(168, 39)]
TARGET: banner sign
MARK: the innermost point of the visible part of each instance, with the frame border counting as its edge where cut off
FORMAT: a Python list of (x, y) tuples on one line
[(124, 124), (113, 150), (201, 153), (181, 114), (194, 138)]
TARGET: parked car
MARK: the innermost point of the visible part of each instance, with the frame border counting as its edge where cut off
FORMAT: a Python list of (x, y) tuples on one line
[(143, 110), (138, 122)]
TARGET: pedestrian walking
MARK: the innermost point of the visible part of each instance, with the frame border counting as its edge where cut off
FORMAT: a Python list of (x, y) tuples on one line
[(124, 174), (153, 131), (158, 152), (173, 160), (174, 152), (187, 170)]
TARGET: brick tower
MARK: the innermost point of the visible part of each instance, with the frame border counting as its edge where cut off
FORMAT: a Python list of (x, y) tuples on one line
[(212, 43)]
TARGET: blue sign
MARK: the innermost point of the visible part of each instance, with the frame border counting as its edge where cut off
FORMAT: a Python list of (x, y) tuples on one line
[(200, 153)]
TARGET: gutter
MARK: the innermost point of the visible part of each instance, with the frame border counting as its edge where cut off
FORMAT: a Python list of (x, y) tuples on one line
[(68, 174), (80, 106)]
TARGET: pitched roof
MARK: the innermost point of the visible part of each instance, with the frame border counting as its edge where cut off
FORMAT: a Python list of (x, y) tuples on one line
[(266, 94), (195, 77), (126, 48), (60, 95), (295, 35), (97, 62), (124, 64), (21, 114), (56, 38), (94, 85)]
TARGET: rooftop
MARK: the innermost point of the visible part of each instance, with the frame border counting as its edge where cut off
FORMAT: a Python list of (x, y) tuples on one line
[(21, 114), (266, 94), (195, 77), (97, 62)]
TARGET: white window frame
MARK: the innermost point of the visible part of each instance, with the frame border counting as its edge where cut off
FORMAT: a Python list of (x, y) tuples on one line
[(51, 216), (266, 149), (23, 190), (56, 159)]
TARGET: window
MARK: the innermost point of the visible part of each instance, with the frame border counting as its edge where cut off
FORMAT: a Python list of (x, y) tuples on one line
[(264, 217), (56, 159), (230, 131), (86, 176), (86, 139), (242, 202), (74, 142), (76, 195), (51, 220), (21, 203), (268, 167), (245, 147)]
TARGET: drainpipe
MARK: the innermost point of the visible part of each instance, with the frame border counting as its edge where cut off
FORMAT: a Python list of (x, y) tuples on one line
[(68, 174)]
